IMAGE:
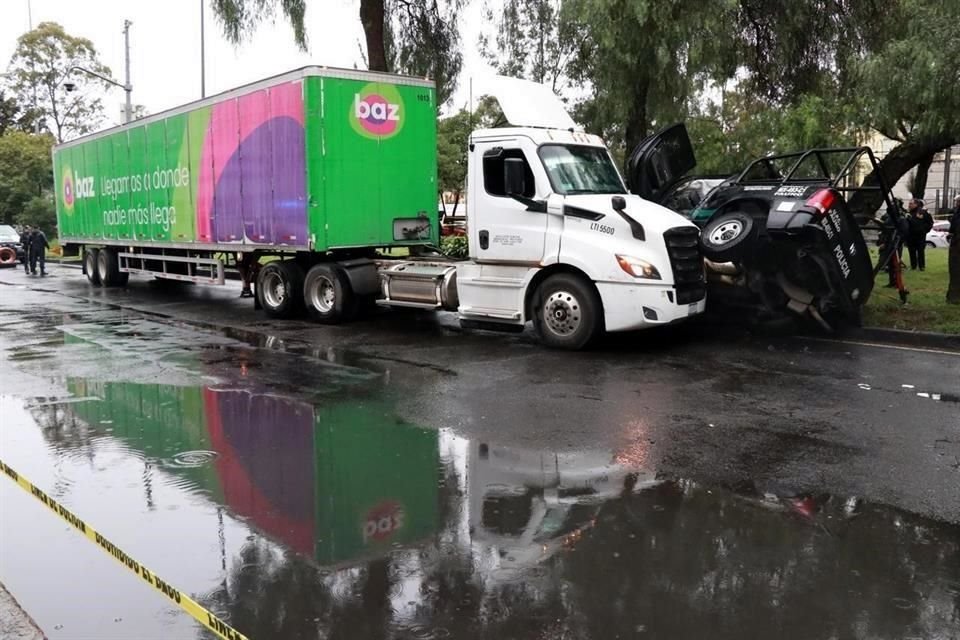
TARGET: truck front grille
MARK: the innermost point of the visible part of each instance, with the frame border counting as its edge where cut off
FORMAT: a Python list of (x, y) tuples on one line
[(683, 247)]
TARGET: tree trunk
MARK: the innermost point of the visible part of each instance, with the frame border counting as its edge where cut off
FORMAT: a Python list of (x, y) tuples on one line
[(894, 166), (920, 177), (636, 128), (372, 18)]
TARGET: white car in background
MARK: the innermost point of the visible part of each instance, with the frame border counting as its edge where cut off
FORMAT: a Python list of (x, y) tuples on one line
[(937, 237)]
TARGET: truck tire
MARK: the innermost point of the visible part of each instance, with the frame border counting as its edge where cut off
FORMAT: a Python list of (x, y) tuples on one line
[(90, 266), (280, 289), (567, 312), (728, 237), (108, 269), (328, 296)]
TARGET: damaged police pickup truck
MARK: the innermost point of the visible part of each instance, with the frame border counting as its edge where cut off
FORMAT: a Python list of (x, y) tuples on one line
[(781, 238)]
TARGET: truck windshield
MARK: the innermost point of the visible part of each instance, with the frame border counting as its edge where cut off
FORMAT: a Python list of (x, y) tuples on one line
[(577, 169)]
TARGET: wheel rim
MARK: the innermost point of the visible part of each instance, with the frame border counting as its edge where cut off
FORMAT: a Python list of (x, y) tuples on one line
[(92, 267), (562, 313), (726, 232), (102, 267), (322, 295), (274, 290)]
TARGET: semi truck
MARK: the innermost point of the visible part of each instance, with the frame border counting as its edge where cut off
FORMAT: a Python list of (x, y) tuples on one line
[(313, 182)]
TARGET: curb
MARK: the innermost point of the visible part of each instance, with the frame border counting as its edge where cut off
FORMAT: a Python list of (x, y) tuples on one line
[(15, 622), (910, 338)]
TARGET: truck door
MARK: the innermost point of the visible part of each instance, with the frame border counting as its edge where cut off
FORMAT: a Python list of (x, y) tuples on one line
[(504, 229), (659, 162)]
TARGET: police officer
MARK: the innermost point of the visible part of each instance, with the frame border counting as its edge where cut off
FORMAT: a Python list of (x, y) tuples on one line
[(38, 246), (953, 258), (25, 236)]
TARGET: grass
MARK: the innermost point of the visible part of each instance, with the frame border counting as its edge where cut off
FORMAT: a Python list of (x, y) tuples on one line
[(926, 310)]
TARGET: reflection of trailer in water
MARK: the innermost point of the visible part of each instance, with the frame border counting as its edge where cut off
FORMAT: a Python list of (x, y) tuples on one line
[(526, 504), (335, 483)]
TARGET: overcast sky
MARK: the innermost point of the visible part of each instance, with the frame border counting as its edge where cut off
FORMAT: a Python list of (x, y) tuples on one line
[(165, 44)]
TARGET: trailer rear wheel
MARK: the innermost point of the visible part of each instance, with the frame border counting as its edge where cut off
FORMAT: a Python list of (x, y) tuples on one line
[(280, 289), (327, 294), (567, 312), (108, 269), (90, 266)]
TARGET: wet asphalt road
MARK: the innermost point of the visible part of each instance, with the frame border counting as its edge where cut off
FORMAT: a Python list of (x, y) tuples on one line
[(400, 478)]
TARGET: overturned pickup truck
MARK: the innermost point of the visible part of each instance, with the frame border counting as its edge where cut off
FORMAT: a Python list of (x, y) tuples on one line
[(781, 238)]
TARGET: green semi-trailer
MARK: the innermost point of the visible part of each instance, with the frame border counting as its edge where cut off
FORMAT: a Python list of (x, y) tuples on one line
[(324, 168)]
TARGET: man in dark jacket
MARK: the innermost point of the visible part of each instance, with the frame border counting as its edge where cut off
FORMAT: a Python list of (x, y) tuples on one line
[(25, 237), (920, 224), (38, 252), (953, 237)]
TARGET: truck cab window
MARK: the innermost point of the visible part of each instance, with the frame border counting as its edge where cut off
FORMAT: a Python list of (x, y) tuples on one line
[(493, 173)]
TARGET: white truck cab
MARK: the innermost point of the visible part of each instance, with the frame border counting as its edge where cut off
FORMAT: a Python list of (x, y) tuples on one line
[(555, 237)]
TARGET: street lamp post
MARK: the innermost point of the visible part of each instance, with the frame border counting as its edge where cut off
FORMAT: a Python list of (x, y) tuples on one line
[(126, 86)]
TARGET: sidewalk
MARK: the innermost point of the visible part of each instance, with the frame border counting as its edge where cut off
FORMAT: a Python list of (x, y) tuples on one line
[(14, 621)]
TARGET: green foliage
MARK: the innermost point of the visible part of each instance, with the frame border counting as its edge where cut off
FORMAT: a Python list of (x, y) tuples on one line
[(927, 309), (239, 18), (455, 247), (536, 40), (424, 40), (453, 135), (26, 173), (40, 212), (42, 63), (13, 115), (645, 59)]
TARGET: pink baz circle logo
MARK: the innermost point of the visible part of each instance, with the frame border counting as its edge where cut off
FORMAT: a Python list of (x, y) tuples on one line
[(377, 111), (68, 194)]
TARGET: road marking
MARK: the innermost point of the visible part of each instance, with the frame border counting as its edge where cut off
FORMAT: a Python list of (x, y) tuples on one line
[(174, 595), (886, 346)]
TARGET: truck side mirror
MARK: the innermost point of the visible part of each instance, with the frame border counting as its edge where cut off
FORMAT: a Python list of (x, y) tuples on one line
[(514, 178)]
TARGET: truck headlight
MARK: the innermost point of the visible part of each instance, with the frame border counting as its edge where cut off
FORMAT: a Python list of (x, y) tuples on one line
[(638, 268)]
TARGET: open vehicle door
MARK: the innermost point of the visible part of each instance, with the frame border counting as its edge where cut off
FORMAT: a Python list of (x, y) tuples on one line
[(659, 162)]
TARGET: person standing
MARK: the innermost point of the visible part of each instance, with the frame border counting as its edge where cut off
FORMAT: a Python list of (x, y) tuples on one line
[(920, 224), (953, 237), (25, 237), (39, 246)]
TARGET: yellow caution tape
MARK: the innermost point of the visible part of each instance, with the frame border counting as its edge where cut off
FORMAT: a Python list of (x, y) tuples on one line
[(182, 600)]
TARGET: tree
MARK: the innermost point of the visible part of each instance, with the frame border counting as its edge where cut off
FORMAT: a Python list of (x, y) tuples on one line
[(26, 173), (42, 63), (424, 40), (239, 18), (13, 115), (536, 40), (644, 59), (453, 136)]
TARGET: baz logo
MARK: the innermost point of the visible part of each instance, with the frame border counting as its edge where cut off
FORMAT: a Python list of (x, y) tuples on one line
[(84, 187), (69, 193), (377, 111)]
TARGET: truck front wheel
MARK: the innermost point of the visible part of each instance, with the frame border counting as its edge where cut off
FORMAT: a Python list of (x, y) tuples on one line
[(280, 289), (327, 294), (567, 312)]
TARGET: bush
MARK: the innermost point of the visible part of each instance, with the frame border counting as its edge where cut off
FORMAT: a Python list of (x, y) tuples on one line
[(455, 246)]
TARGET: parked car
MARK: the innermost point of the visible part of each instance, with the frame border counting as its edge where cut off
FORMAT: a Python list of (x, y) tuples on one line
[(937, 237), (10, 250), (780, 238)]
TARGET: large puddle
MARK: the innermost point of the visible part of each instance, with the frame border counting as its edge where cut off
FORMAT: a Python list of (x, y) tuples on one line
[(305, 508)]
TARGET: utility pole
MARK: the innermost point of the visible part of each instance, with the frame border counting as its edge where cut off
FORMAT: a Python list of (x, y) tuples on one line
[(127, 87), (203, 61), (36, 117), (946, 178)]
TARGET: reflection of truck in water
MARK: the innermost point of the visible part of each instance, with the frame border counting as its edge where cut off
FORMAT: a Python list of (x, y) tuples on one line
[(526, 504), (325, 168), (335, 483)]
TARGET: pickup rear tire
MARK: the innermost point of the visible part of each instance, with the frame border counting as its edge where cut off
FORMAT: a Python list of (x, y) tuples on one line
[(728, 237), (328, 296), (280, 289), (567, 312)]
